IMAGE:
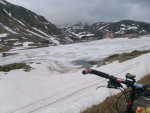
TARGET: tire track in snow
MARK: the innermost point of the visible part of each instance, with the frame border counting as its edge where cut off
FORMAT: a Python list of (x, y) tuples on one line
[(45, 102)]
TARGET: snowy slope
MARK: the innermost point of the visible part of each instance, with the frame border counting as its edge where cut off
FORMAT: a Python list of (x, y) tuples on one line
[(122, 28), (82, 51), (3, 2), (3, 35), (23, 25), (56, 84)]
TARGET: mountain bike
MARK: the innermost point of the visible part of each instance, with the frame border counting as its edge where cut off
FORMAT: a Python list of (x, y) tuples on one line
[(136, 89)]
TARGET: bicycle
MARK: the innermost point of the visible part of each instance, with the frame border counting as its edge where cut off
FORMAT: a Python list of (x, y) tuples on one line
[(137, 89)]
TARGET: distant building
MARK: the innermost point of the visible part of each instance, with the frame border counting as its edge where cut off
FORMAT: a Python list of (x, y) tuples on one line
[(108, 35)]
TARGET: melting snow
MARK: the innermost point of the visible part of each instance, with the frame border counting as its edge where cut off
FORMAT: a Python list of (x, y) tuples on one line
[(8, 29), (36, 34), (46, 37), (41, 32), (3, 35), (26, 44), (55, 85), (53, 39), (133, 27), (9, 14), (103, 27), (19, 21), (2, 2)]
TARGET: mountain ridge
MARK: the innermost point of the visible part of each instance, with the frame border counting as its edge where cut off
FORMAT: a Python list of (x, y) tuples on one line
[(122, 28), (19, 25), (22, 28)]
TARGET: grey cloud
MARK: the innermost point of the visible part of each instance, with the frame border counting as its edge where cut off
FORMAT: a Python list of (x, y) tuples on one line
[(72, 11)]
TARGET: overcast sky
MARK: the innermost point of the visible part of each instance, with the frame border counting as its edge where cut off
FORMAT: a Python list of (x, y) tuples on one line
[(72, 11)]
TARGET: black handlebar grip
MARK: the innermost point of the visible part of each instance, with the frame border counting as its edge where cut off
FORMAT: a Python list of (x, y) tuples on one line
[(98, 73)]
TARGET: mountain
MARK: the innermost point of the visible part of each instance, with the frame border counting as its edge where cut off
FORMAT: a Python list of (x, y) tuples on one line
[(121, 28), (78, 32), (99, 30), (22, 27)]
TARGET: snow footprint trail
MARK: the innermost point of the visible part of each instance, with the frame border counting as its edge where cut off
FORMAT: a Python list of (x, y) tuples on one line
[(48, 101)]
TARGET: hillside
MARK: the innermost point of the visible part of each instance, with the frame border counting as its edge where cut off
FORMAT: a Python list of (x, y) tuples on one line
[(20, 27), (122, 28), (99, 30)]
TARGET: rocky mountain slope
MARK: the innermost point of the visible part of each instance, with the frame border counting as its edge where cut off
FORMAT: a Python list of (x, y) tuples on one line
[(79, 32), (22, 27), (124, 28)]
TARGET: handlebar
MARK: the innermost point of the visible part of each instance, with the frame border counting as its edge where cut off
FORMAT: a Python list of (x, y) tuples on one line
[(137, 89), (116, 82), (98, 73)]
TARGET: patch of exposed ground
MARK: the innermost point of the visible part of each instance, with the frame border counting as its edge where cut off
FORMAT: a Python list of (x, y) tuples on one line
[(14, 66), (119, 57)]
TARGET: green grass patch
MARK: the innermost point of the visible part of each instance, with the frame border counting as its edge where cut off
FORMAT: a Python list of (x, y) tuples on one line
[(119, 57), (9, 67), (109, 104)]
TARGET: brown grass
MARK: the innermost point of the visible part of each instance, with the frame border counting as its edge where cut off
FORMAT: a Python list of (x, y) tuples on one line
[(120, 57), (145, 79), (9, 67), (109, 104)]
